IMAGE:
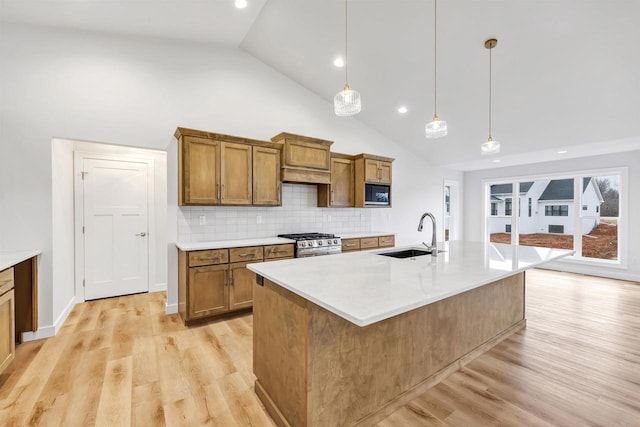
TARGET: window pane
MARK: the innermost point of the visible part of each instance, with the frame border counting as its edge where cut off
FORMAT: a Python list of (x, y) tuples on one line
[(500, 230), (600, 238), (549, 221), (601, 196)]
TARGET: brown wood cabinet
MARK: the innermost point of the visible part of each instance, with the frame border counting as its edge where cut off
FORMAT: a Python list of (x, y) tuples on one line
[(218, 169), (216, 281), (371, 169), (266, 177), (7, 319), (365, 243), (236, 174), (341, 191), (304, 159)]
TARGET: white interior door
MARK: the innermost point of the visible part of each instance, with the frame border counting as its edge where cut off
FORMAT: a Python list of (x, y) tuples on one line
[(116, 253)]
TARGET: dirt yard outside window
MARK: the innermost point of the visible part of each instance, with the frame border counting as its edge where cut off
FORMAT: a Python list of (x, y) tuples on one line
[(601, 243)]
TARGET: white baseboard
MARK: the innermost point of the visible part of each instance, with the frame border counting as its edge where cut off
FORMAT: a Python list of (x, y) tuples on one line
[(158, 287), (50, 330), (171, 308)]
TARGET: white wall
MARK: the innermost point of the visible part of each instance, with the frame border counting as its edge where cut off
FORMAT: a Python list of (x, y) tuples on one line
[(135, 92), (630, 236)]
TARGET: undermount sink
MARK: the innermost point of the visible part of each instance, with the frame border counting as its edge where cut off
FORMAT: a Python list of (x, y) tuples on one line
[(407, 253)]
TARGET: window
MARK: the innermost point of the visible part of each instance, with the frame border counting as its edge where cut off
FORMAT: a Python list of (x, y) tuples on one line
[(556, 229), (586, 211), (556, 210)]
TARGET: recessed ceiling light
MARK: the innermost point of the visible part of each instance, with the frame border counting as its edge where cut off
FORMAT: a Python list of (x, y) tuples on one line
[(496, 161), (338, 62), (562, 151), (241, 4), (402, 109)]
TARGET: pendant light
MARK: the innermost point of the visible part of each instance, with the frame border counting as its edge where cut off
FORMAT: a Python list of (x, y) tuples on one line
[(491, 146), (436, 128), (347, 102)]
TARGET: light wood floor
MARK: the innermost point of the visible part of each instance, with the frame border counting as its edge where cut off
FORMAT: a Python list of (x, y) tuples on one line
[(122, 361)]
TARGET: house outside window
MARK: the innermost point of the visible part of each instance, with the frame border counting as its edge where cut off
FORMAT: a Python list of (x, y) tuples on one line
[(585, 207), (529, 206), (494, 209), (507, 206)]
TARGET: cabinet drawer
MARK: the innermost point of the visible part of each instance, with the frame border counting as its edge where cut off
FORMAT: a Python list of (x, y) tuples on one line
[(249, 253), (6, 280), (369, 243), (278, 251), (211, 257), (350, 245), (386, 241)]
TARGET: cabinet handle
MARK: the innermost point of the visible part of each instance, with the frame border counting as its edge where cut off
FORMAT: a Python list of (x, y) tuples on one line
[(244, 255), (279, 192), (218, 190), (349, 244), (332, 196), (222, 190)]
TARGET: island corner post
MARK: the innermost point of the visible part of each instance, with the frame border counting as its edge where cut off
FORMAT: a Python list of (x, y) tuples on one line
[(314, 368)]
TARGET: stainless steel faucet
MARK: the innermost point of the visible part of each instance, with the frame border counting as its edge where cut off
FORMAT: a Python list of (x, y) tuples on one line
[(433, 248)]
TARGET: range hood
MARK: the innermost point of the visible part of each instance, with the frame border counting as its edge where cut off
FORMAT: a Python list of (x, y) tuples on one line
[(304, 159)]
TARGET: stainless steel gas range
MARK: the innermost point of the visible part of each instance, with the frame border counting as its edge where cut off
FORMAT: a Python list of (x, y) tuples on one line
[(315, 244)]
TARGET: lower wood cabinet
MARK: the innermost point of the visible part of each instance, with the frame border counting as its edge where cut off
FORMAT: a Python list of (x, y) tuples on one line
[(217, 281), (365, 243), (7, 319)]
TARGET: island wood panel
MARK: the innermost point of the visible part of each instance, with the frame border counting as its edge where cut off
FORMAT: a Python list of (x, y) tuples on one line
[(280, 352), (26, 296), (353, 372)]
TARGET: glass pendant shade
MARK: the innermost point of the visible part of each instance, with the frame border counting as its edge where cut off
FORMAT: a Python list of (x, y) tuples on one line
[(347, 102), (435, 129), (490, 147)]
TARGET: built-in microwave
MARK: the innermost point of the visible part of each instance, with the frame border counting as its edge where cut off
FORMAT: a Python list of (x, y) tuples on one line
[(376, 194)]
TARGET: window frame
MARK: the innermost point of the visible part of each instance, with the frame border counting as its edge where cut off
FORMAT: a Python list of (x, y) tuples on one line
[(577, 175)]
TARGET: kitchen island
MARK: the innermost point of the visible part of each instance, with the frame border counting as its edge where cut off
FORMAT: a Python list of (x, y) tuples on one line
[(347, 339)]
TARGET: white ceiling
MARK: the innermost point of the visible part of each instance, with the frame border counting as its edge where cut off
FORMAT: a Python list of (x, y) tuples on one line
[(566, 73)]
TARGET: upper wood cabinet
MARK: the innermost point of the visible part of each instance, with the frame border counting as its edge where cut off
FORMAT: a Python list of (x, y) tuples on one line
[(266, 177), (305, 159), (237, 174), (217, 169), (340, 193), (199, 180), (377, 169)]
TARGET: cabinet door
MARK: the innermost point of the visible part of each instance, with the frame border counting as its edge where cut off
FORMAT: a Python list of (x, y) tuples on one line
[(241, 292), (208, 291), (200, 174), (7, 329), (236, 179), (266, 177), (342, 182), (371, 170), (385, 172)]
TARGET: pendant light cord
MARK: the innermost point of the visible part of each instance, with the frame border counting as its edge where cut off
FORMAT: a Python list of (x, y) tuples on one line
[(435, 57), (346, 62), (490, 49)]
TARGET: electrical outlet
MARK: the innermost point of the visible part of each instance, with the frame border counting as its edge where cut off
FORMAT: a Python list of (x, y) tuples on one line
[(202, 219), (258, 219)]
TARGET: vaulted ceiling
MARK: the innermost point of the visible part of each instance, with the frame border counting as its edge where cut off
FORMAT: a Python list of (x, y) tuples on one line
[(566, 73)]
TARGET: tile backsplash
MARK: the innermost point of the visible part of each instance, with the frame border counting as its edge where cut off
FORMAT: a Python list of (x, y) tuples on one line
[(298, 214)]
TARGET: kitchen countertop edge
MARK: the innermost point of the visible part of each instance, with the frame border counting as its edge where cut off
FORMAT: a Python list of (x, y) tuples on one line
[(10, 258), (223, 244)]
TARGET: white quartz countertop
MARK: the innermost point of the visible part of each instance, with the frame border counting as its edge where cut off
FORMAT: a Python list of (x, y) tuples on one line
[(9, 259), (198, 246), (364, 235), (365, 287)]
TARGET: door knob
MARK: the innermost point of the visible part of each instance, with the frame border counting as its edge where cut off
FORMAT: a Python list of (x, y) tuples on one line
[(142, 234)]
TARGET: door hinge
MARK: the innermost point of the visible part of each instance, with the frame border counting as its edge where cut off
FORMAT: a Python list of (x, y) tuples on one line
[(83, 174)]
